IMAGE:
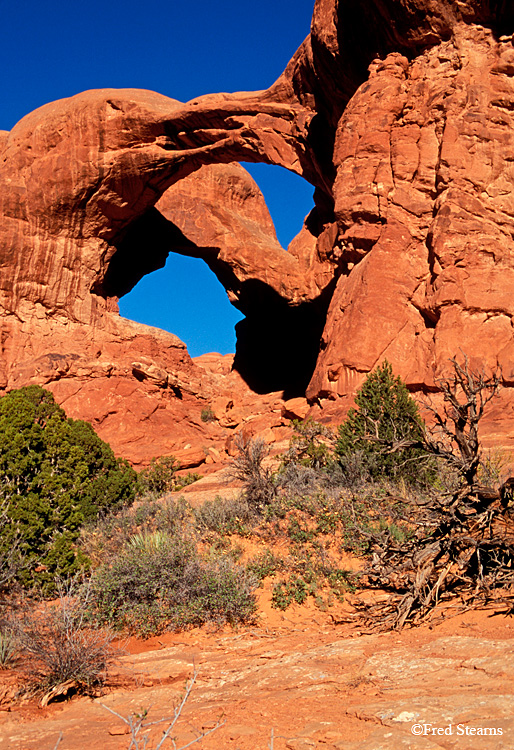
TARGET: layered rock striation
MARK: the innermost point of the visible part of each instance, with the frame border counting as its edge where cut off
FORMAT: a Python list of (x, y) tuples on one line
[(398, 112)]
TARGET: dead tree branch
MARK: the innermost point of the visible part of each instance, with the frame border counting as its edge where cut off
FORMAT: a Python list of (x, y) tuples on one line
[(463, 542)]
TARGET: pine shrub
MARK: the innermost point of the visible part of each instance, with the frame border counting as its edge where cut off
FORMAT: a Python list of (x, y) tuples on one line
[(385, 417), (56, 474)]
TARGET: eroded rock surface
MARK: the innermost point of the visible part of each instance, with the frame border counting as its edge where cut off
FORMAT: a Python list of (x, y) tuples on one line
[(424, 203), (399, 113), (312, 685)]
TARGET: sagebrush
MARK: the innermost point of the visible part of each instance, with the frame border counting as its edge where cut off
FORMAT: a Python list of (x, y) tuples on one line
[(160, 581)]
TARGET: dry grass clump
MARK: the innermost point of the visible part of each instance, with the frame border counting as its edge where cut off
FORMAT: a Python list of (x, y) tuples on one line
[(58, 649)]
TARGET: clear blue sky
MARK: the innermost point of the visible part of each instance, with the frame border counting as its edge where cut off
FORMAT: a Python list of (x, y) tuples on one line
[(56, 49)]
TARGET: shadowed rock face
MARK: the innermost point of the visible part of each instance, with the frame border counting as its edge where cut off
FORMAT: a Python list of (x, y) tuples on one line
[(399, 113)]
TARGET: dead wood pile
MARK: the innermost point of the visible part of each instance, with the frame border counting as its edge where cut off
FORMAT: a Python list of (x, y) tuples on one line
[(461, 551)]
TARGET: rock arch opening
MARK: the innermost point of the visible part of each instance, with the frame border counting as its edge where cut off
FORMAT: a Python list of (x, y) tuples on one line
[(288, 196), (185, 298), (225, 222)]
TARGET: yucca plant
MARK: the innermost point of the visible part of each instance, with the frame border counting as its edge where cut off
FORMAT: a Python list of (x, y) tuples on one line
[(149, 541)]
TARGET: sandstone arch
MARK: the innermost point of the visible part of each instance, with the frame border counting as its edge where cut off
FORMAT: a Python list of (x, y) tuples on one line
[(408, 253)]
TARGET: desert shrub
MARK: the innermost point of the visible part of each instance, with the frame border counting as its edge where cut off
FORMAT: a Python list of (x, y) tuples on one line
[(310, 444), (169, 514), (311, 572), (56, 475), (133, 591), (318, 529), (163, 582), (161, 477), (298, 479), (265, 565), (259, 486), (385, 418), (220, 591), (351, 521), (184, 480), (298, 532), (494, 467), (375, 516), (8, 646), (61, 650), (207, 415), (224, 516), (358, 468), (284, 593), (396, 532), (103, 538), (341, 581)]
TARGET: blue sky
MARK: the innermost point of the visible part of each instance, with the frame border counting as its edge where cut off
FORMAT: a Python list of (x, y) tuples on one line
[(56, 49)]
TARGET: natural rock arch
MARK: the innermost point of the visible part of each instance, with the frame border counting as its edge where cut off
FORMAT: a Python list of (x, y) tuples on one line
[(408, 252), (218, 214)]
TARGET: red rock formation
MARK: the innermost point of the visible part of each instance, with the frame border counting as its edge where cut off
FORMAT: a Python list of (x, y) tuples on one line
[(136, 384), (424, 206), (399, 112)]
